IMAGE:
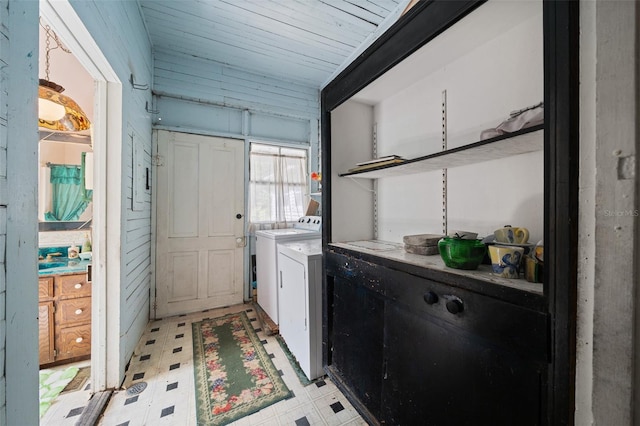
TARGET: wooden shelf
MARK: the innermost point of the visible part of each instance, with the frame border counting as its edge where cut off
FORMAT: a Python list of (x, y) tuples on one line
[(521, 142)]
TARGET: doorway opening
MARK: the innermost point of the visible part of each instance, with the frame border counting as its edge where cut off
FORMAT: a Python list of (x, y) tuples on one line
[(65, 209), (105, 89)]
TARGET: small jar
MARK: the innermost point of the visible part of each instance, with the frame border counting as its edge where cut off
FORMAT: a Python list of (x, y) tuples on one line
[(72, 252)]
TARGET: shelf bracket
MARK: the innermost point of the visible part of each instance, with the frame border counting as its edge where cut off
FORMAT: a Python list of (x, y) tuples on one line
[(444, 171), (374, 144)]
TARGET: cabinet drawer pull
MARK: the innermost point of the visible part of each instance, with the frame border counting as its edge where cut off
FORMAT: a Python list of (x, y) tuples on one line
[(79, 285), (455, 306), (78, 311), (430, 298), (79, 340)]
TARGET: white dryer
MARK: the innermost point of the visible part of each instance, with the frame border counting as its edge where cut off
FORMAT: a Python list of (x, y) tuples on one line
[(300, 296), (306, 228)]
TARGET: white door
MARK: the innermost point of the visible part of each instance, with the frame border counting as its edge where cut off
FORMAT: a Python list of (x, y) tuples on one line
[(199, 223)]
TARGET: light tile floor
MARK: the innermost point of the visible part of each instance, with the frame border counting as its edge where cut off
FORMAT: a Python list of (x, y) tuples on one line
[(66, 408), (163, 360)]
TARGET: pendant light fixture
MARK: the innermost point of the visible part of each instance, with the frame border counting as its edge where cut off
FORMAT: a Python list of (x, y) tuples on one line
[(55, 110)]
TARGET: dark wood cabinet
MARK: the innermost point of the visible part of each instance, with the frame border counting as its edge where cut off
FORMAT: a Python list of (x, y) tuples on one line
[(357, 341), (415, 351), (441, 369), (422, 343)]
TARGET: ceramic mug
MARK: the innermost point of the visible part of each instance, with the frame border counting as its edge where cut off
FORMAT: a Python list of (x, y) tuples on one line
[(511, 235), (505, 260)]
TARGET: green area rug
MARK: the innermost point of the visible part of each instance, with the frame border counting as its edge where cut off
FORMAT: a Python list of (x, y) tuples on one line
[(234, 375), (52, 382), (304, 380)]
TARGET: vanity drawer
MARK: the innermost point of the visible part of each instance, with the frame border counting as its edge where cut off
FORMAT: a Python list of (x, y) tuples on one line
[(74, 341), (73, 311), (75, 285), (45, 288)]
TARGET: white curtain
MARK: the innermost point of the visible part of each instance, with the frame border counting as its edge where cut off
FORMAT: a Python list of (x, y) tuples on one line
[(278, 186)]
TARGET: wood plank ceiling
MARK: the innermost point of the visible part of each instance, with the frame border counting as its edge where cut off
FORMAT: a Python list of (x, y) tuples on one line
[(303, 41)]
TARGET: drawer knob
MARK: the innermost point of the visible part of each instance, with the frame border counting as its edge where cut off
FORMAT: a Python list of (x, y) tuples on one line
[(431, 298), (78, 311), (455, 306), (79, 340), (79, 285)]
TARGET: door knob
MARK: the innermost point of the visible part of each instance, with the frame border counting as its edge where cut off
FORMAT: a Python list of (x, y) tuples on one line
[(238, 216)]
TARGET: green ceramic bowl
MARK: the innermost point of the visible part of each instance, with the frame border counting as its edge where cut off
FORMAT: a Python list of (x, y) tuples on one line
[(461, 254)]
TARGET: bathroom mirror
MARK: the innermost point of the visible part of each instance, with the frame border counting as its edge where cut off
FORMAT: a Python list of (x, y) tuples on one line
[(65, 188)]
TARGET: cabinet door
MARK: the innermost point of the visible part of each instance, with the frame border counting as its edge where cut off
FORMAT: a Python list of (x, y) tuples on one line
[(45, 288), (357, 341), (292, 301), (45, 332), (439, 374)]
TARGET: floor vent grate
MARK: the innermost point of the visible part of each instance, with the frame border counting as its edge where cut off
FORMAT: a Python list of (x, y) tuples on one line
[(137, 388)]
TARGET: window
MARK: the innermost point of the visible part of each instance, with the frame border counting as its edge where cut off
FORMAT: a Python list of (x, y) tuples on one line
[(277, 184)]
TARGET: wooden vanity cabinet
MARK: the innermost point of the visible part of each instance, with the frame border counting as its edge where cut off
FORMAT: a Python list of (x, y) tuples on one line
[(65, 318), (45, 320)]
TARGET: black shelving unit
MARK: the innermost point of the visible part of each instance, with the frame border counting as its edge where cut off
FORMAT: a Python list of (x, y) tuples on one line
[(378, 286)]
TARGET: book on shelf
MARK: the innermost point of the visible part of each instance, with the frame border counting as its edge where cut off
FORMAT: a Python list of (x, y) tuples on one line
[(376, 164), (380, 160)]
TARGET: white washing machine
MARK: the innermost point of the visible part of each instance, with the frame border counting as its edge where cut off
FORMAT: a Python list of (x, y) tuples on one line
[(300, 296), (306, 228)]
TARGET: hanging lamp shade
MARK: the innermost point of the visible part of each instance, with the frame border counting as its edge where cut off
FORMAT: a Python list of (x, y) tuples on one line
[(57, 111)]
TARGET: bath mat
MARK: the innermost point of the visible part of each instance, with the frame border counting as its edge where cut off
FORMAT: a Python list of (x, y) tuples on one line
[(234, 375), (52, 382), (78, 382)]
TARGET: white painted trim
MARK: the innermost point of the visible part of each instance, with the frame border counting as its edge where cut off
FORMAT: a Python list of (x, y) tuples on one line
[(107, 135), (68, 25), (98, 290), (113, 234), (248, 269), (154, 196)]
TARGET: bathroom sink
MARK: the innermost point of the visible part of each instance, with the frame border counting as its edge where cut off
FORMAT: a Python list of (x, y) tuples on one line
[(49, 265)]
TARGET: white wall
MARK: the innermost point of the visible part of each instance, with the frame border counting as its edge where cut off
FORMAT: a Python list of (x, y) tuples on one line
[(607, 361), (483, 85), (18, 213), (118, 29)]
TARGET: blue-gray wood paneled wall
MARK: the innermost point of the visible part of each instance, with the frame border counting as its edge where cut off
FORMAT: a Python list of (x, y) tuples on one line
[(18, 213), (196, 94), (119, 31)]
